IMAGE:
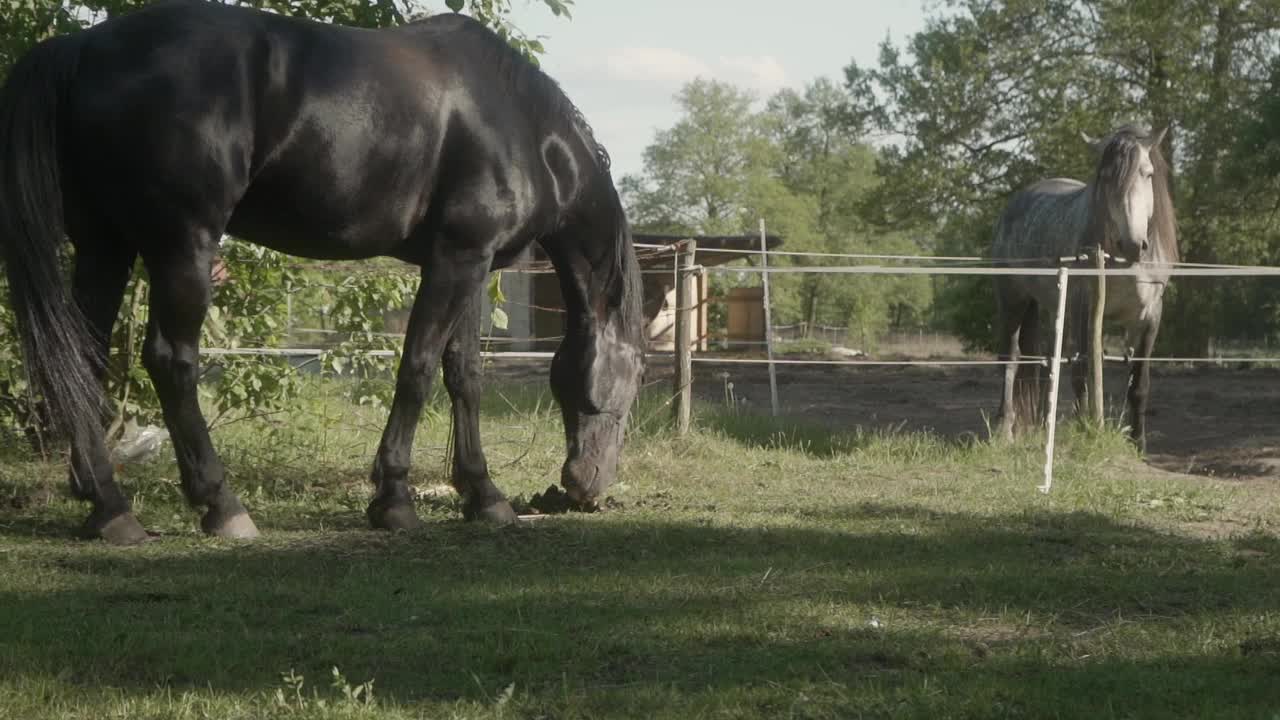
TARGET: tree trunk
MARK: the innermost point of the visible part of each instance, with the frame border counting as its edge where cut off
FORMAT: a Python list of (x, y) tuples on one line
[(810, 306)]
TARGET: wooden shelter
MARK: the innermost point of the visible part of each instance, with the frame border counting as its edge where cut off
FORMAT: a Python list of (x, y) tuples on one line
[(535, 311)]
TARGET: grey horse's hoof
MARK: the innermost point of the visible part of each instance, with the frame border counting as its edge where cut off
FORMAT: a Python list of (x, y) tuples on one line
[(123, 529), (236, 527), (1003, 432), (400, 516), (497, 513)]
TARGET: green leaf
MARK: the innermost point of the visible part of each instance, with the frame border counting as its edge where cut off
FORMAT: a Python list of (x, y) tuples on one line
[(560, 8), (454, 5), (499, 317), (495, 289)]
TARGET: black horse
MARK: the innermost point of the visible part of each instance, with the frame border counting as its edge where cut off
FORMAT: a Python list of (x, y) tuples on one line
[(151, 134)]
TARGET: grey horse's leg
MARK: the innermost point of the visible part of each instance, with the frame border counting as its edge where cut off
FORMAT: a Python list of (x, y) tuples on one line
[(1140, 384), (1077, 319), (1028, 387), (1009, 319)]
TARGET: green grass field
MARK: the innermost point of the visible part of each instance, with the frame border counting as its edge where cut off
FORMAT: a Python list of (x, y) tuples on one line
[(749, 570)]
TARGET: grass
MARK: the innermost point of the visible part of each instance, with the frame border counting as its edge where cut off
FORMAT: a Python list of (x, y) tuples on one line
[(750, 570)]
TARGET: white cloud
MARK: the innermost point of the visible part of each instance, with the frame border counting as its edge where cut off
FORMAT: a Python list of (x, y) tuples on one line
[(671, 68), (762, 72), (652, 63)]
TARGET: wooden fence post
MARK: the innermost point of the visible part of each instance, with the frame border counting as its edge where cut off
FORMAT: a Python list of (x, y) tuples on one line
[(685, 314), (1096, 409), (768, 320), (1055, 372)]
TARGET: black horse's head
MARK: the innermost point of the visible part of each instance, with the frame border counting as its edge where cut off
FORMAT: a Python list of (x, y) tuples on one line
[(597, 372), (596, 421)]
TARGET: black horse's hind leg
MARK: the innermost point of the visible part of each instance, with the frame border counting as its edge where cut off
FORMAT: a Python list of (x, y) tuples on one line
[(1140, 385), (181, 290), (449, 285), (98, 285), (462, 378)]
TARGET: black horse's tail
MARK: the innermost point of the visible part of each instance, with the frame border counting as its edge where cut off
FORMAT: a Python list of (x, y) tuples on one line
[(56, 340)]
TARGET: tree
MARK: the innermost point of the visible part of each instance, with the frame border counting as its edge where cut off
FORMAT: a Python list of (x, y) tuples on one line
[(991, 96), (821, 156), (695, 173), (799, 165)]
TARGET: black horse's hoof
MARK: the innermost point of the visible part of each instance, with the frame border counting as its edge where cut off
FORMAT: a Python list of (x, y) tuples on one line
[(398, 516), (235, 527), (123, 529)]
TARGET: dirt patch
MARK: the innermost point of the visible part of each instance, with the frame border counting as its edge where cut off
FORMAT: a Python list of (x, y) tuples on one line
[(1214, 422)]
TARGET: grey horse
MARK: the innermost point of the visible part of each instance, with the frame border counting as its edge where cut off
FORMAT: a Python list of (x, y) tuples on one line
[(1127, 208)]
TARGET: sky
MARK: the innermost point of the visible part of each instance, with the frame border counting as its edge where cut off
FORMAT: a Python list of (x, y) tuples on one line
[(622, 61)]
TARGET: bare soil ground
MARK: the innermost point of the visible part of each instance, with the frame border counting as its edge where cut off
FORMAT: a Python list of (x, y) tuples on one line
[(1210, 421)]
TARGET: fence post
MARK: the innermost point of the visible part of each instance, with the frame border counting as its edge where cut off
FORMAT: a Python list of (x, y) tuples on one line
[(683, 341), (1055, 372), (1096, 409), (768, 320)]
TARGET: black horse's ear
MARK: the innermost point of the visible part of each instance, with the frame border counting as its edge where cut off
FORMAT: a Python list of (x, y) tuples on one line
[(1094, 144)]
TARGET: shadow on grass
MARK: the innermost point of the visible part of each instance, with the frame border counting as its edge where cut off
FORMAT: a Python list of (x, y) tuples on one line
[(634, 600)]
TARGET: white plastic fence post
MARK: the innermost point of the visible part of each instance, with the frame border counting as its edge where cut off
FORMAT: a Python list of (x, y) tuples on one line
[(1055, 371)]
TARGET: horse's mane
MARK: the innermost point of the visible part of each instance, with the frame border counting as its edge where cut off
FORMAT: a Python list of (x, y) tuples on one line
[(548, 105), (1165, 219), (546, 100), (1115, 171)]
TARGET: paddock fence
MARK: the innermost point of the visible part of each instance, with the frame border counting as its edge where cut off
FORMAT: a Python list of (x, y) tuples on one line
[(687, 274)]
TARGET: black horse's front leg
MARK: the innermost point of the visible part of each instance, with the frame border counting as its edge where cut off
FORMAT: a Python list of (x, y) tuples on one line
[(483, 500), (448, 287)]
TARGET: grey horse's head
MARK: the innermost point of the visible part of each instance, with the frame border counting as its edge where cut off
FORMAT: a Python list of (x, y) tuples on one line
[(1128, 186)]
